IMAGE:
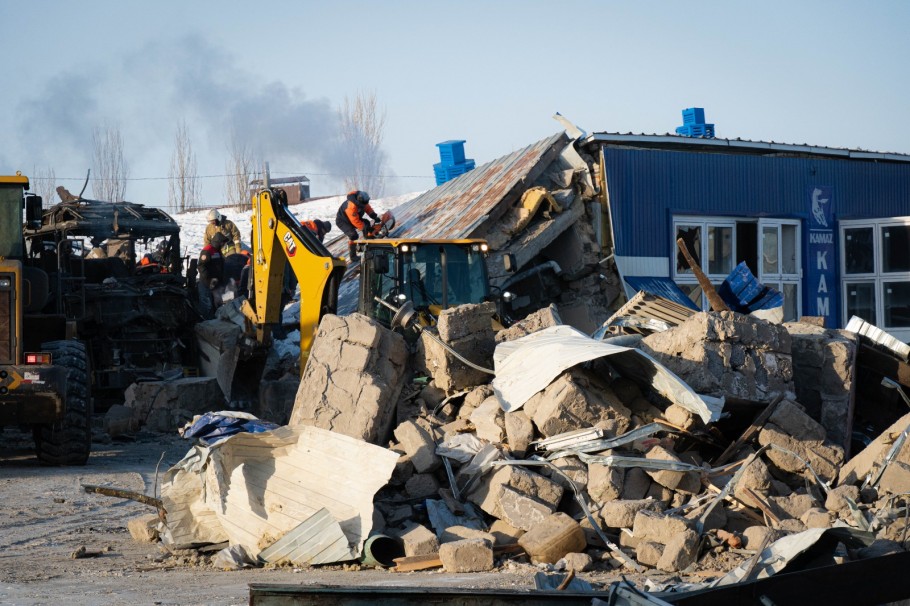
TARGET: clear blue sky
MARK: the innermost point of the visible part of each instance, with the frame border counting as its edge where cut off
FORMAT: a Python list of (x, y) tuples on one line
[(822, 72)]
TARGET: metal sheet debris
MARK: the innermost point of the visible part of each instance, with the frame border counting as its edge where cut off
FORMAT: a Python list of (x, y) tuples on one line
[(527, 365)]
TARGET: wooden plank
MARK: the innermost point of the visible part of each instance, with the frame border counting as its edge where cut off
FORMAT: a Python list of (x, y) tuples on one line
[(717, 304)]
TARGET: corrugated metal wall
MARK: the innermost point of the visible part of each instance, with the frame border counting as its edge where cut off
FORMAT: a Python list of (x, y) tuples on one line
[(647, 187)]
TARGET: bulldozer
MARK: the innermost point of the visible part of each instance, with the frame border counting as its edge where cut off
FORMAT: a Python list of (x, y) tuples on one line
[(44, 385), (85, 312)]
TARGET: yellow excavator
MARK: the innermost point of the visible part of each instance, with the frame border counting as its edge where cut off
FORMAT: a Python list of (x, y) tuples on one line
[(424, 276)]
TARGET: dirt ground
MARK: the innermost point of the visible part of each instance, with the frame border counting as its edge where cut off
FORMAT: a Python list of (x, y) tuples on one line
[(45, 516)]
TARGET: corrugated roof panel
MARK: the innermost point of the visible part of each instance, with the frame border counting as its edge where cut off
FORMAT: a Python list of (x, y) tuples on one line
[(317, 540), (462, 207)]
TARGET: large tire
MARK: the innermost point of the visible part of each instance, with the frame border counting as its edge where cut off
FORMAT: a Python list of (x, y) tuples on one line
[(68, 441)]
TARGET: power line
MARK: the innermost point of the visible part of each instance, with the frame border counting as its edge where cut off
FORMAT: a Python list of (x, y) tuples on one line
[(339, 176)]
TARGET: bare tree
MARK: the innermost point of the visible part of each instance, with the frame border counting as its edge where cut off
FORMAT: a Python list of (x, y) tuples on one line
[(110, 168), (44, 182), (362, 125), (241, 169), (183, 184)]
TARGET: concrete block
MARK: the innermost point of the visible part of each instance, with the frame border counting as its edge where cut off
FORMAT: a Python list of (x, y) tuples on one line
[(522, 511), (816, 517), (120, 420), (855, 470), (680, 552), (419, 446), (418, 540), (793, 506), (679, 416), (669, 479), (635, 484), (504, 533), (794, 421), (835, 501), (538, 320), (489, 489), (895, 479), (754, 536), (824, 458), (791, 526), (573, 401), (648, 553), (552, 539), (653, 526), (166, 406), (468, 555), (466, 320), (755, 477), (461, 533), (144, 528), (519, 432), (579, 562), (604, 483), (621, 513), (352, 379), (489, 421), (421, 486)]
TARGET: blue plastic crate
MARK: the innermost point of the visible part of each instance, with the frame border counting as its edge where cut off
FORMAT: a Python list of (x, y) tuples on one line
[(445, 173), (451, 152), (693, 115), (696, 130)]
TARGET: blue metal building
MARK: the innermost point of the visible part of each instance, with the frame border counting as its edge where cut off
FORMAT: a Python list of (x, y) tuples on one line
[(828, 227)]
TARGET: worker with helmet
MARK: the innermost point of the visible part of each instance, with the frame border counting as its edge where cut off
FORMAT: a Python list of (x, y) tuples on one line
[(219, 223), (350, 218), (211, 274), (319, 228), (157, 260)]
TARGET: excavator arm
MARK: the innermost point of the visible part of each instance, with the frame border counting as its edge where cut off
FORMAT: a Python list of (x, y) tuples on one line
[(280, 242)]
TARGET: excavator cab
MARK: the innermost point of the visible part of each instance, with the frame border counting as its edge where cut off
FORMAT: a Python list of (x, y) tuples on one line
[(430, 274)]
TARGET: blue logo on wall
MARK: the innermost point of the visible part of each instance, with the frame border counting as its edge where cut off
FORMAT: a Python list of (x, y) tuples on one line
[(820, 271)]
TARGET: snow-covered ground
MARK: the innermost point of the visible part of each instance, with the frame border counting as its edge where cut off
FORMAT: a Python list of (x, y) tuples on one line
[(192, 224)]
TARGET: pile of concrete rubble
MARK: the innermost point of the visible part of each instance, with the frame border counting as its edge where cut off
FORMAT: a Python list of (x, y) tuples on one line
[(719, 443)]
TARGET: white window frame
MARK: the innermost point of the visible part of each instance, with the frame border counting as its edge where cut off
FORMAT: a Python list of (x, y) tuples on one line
[(877, 277), (703, 222), (779, 279)]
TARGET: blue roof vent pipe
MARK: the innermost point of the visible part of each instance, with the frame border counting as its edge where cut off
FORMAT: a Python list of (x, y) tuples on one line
[(694, 124), (453, 162)]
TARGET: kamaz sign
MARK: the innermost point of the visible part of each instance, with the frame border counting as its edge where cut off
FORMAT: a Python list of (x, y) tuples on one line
[(821, 282)]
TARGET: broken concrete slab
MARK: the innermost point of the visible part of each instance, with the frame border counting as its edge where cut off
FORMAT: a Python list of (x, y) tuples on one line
[(824, 364), (800, 435), (352, 379), (528, 365), (727, 354), (673, 480), (605, 483), (461, 533), (648, 553)]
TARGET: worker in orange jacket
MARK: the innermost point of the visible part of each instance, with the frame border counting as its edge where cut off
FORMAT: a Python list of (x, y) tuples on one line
[(319, 228), (350, 218)]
